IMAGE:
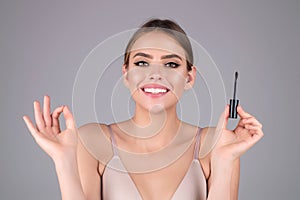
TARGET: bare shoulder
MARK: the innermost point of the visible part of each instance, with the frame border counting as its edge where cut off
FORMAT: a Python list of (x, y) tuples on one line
[(94, 137), (206, 145), (91, 128), (190, 128), (90, 131), (89, 158), (205, 131), (209, 139)]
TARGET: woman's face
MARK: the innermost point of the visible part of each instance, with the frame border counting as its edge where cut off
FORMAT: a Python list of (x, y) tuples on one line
[(157, 71)]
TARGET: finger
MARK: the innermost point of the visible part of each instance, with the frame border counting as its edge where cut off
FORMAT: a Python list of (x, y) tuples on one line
[(252, 127), (257, 135), (38, 115), (70, 122), (252, 131), (55, 119), (252, 121), (241, 123), (46, 111), (254, 139), (242, 113), (34, 132)]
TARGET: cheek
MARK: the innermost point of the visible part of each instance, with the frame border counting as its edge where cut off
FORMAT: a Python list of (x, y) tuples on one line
[(134, 77), (177, 80)]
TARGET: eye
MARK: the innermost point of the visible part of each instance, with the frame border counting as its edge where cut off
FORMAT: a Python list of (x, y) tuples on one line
[(141, 63), (172, 65)]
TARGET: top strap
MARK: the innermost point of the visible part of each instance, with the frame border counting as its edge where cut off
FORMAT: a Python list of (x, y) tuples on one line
[(113, 141), (197, 145)]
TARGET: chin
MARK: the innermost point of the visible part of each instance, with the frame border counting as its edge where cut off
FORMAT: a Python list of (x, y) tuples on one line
[(157, 109)]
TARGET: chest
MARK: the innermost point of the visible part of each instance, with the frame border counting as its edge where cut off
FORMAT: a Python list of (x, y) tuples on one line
[(162, 183), (180, 178)]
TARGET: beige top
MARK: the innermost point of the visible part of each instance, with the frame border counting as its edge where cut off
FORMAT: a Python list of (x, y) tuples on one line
[(117, 183)]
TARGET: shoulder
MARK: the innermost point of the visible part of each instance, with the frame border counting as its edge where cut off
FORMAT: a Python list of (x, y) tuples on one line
[(91, 132), (187, 127), (94, 137), (91, 128), (209, 139), (207, 130)]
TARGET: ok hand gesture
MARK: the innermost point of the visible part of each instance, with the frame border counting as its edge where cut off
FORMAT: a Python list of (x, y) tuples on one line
[(56, 143)]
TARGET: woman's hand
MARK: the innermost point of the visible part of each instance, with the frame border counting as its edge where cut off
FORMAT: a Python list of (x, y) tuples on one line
[(56, 143), (232, 144)]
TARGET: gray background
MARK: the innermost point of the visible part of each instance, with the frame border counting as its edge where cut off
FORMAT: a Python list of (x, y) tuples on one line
[(43, 43)]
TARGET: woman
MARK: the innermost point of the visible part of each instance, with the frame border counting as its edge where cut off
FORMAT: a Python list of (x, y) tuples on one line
[(179, 160)]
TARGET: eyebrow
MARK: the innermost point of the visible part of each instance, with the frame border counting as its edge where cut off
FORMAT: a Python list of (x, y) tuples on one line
[(171, 56), (151, 57), (143, 55)]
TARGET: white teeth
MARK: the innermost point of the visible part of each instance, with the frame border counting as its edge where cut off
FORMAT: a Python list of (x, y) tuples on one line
[(155, 90)]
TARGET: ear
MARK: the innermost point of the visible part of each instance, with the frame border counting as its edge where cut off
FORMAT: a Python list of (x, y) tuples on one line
[(125, 75), (191, 76)]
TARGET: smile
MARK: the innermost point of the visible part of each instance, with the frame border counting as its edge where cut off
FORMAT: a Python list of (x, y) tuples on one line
[(154, 90)]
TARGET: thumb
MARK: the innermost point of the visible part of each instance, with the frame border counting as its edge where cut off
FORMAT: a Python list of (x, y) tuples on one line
[(223, 120), (70, 122)]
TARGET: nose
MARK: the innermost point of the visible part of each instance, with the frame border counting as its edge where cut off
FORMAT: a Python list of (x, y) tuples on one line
[(155, 73), (155, 77)]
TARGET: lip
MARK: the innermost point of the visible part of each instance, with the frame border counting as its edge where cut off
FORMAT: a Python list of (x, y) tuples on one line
[(153, 85)]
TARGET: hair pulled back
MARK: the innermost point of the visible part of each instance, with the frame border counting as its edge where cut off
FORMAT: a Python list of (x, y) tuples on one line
[(169, 27)]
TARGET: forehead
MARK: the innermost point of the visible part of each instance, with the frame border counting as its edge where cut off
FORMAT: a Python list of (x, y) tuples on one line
[(159, 41)]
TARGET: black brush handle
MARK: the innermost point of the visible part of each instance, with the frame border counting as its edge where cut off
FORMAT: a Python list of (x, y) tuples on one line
[(233, 108)]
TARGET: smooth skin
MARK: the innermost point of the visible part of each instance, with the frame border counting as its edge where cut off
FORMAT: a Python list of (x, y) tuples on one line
[(84, 182), (79, 173)]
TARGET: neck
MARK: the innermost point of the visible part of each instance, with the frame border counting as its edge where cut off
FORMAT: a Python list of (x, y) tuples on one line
[(153, 129)]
